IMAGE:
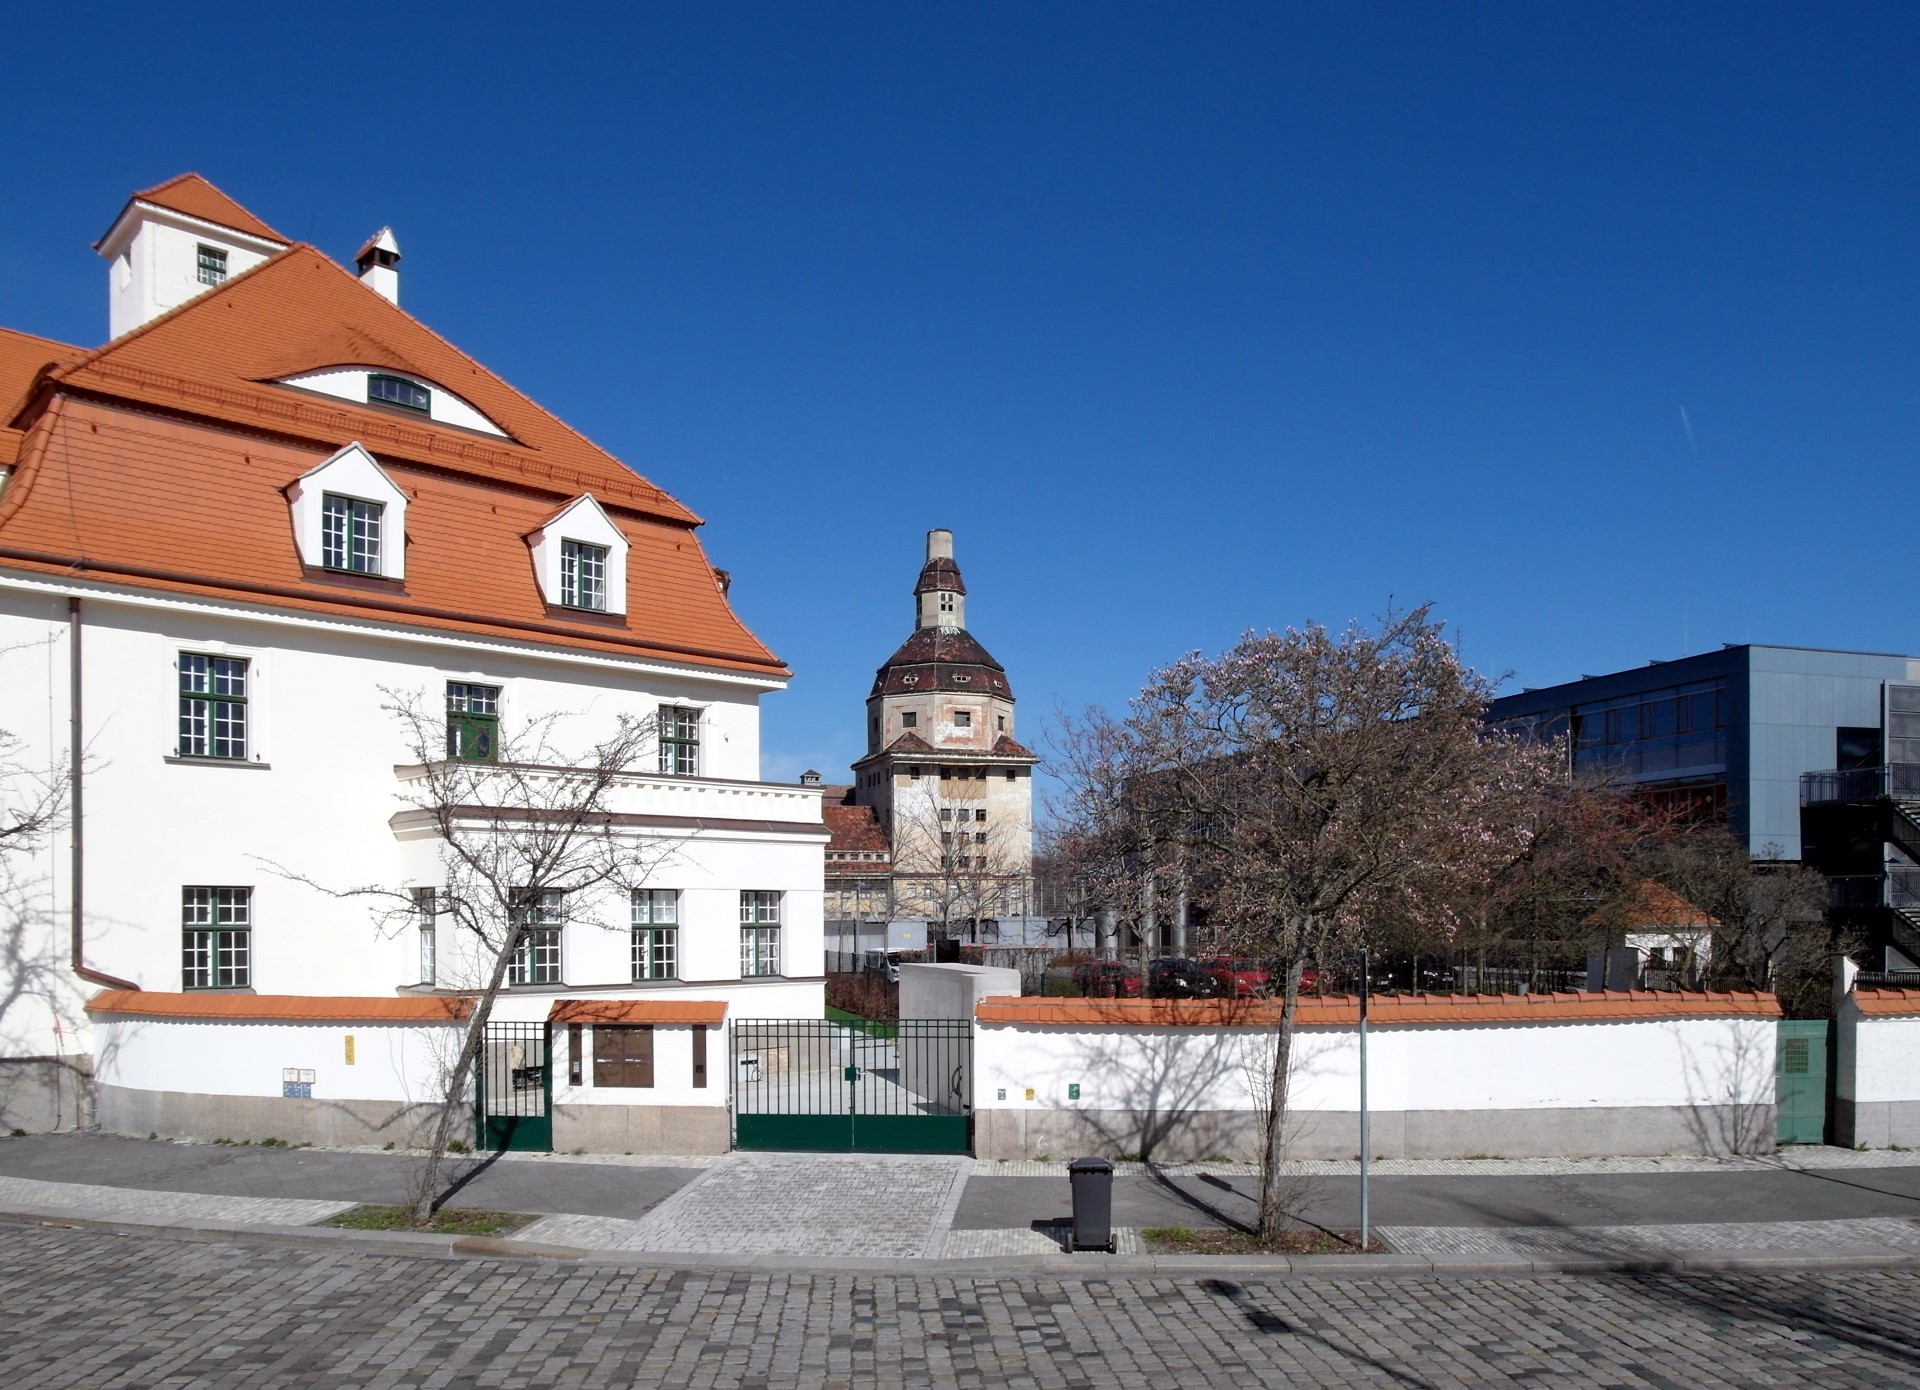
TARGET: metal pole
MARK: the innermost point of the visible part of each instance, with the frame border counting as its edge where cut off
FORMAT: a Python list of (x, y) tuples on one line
[(1366, 1135)]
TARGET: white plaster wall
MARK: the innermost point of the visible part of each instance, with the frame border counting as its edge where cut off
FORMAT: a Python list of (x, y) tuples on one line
[(317, 795), (350, 384), (1885, 1053), (401, 1062), (1664, 1062)]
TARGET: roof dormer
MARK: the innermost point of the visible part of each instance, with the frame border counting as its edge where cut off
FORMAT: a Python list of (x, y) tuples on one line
[(350, 518), (580, 559), (173, 241), (390, 388)]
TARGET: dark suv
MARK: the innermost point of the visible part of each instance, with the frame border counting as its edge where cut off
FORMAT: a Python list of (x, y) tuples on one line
[(1173, 978)]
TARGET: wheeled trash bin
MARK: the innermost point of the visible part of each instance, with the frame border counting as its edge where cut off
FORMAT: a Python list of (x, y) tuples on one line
[(1092, 1204)]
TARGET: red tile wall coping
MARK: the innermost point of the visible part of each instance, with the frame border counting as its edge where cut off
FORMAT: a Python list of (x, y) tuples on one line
[(282, 1008), (1337, 1011)]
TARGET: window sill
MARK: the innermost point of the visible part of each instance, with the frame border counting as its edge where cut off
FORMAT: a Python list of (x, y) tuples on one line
[(357, 579), (218, 989), (600, 617), (178, 761)]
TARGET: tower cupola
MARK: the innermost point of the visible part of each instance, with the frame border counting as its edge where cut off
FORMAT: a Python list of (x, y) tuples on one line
[(940, 598)]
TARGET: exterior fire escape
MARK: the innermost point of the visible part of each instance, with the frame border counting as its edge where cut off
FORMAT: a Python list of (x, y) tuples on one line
[(1861, 827)]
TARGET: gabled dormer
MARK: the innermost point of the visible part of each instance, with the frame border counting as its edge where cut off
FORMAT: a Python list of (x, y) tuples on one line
[(350, 518), (174, 241), (580, 559)]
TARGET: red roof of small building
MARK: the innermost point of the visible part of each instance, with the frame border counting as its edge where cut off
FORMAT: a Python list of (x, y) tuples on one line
[(1342, 1010), (630, 1011), (194, 196), (284, 1008), (854, 829)]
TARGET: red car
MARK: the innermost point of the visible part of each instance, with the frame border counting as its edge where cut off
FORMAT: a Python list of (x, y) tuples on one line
[(1238, 977), (1107, 979)]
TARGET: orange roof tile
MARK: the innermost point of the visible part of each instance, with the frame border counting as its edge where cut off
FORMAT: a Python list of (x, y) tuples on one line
[(1886, 1003), (127, 496), (22, 356), (1653, 905), (639, 1011), (284, 1008), (854, 828), (1335, 1011), (194, 196)]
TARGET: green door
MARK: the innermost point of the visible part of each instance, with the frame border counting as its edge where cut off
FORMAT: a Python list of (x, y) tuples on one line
[(514, 1089), (1800, 1080)]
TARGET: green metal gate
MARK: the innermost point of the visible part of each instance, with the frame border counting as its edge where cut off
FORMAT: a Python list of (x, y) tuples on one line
[(1800, 1080), (853, 1087), (514, 1088)]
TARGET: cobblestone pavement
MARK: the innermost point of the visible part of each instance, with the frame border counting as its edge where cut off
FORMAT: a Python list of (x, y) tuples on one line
[(788, 1204), (1888, 1235), (83, 1309), (136, 1204)]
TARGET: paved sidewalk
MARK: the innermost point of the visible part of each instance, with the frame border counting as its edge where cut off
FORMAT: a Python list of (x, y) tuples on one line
[(109, 1203)]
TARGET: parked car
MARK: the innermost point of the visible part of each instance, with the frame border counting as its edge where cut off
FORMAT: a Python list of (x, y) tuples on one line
[(884, 963), (1237, 977), (1107, 979), (1173, 978)]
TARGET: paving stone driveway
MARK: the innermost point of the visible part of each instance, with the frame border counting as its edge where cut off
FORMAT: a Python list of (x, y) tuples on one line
[(870, 1205), (84, 1309)]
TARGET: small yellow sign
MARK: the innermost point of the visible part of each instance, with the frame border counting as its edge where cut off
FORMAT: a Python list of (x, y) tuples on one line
[(1029, 1093), (349, 1049)]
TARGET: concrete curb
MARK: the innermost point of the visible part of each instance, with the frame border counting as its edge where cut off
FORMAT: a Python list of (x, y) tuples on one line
[(417, 1245)]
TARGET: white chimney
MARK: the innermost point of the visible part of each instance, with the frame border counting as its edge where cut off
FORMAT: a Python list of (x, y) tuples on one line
[(379, 262)]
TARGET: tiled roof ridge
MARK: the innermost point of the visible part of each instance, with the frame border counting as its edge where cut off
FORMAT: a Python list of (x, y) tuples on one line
[(1338, 1010), (568, 483), (423, 1008), (303, 252), (260, 228), (1886, 1000)]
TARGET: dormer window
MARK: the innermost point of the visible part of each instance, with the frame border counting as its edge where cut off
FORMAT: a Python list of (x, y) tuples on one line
[(580, 559), (350, 534), (349, 518), (211, 267), (397, 390), (583, 575)]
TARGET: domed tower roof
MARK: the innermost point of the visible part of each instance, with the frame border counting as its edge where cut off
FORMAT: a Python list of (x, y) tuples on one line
[(941, 654)]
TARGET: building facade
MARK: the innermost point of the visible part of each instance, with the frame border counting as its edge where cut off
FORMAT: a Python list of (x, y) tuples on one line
[(1806, 754), (272, 509), (937, 825)]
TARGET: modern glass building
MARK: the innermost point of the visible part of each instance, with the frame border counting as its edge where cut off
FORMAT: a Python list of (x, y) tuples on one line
[(1806, 754)]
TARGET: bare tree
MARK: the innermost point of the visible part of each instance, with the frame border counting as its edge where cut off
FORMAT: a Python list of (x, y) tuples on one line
[(958, 867), (1316, 783), (527, 843)]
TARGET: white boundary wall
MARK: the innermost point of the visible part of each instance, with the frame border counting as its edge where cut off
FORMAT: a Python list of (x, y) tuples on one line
[(1657, 1085)]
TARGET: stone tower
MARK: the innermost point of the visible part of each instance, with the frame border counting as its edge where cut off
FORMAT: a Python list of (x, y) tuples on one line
[(943, 770)]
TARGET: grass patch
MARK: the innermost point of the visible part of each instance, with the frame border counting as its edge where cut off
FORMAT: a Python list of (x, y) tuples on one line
[(448, 1221), (872, 1027), (1298, 1240)]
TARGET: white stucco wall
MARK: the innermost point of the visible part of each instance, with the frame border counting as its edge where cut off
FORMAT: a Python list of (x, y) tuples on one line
[(396, 1062), (1885, 1053), (1664, 1062), (153, 263), (350, 384)]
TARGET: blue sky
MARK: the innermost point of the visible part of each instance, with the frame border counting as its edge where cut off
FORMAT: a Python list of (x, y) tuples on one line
[(1596, 326)]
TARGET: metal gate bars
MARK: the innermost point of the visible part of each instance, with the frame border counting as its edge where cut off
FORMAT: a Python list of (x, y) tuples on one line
[(514, 1088), (853, 1086)]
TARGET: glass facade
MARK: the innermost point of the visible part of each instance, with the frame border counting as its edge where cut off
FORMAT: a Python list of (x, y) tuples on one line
[(1662, 732)]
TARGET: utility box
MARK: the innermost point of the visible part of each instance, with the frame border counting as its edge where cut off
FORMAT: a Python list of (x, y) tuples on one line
[(1092, 1180)]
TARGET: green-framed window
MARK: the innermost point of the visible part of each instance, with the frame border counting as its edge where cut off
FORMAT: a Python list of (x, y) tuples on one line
[(536, 950), (216, 926), (213, 706), (656, 934), (473, 722), (210, 264), (350, 534), (759, 933), (679, 741), (583, 575), (426, 916), (397, 390)]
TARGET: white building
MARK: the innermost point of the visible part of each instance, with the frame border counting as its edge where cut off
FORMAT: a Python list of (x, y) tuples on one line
[(229, 537)]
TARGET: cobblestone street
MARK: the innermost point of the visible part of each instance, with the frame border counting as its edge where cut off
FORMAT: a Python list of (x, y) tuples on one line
[(96, 1310)]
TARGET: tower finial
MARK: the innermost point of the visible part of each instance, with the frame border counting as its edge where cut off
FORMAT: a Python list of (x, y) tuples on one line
[(940, 598)]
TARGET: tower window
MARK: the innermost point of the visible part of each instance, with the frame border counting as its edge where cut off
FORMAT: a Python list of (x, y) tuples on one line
[(909, 720), (1003, 723), (963, 719), (946, 601), (211, 265), (397, 390)]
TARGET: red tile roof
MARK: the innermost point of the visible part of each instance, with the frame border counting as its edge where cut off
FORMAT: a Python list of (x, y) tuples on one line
[(194, 196), (283, 1008), (1451, 1010), (131, 496), (854, 828), (22, 356), (1887, 1003), (709, 1011)]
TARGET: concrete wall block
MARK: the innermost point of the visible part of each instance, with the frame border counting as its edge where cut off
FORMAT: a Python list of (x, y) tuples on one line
[(327, 1123), (642, 1129), (41, 1094)]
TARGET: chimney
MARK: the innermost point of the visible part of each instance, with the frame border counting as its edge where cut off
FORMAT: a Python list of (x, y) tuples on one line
[(809, 778), (940, 545), (379, 262)]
